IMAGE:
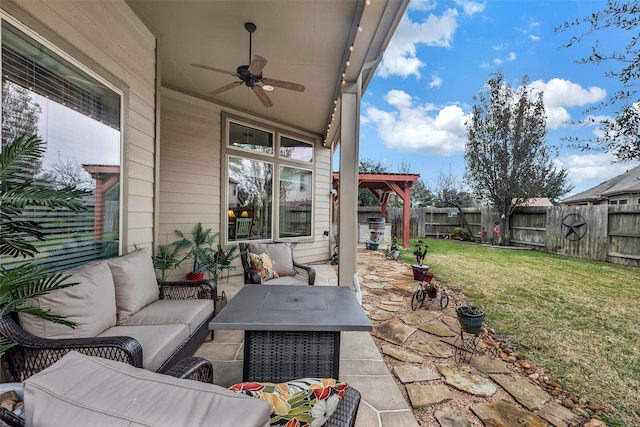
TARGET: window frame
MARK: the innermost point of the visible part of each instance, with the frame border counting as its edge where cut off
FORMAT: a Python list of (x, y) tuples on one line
[(277, 161), (84, 63)]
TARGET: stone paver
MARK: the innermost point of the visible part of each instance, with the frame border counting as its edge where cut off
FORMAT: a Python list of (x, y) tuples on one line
[(485, 364), (412, 373), (437, 329), (389, 307), (558, 415), (393, 331), (381, 315), (373, 285), (423, 396), (420, 317), (463, 378), (528, 395), (503, 413), (396, 298), (430, 348), (447, 417), (401, 354)]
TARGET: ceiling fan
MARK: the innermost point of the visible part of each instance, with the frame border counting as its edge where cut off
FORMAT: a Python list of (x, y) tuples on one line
[(251, 75)]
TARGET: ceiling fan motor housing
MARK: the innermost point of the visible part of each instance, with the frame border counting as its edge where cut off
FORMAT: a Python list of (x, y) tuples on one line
[(248, 78)]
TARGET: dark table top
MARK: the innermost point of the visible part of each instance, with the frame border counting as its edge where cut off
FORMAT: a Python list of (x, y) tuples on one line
[(292, 308)]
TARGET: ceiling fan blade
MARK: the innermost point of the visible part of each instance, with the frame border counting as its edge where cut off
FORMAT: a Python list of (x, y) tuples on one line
[(262, 96), (283, 84), (225, 87), (219, 70), (257, 64)]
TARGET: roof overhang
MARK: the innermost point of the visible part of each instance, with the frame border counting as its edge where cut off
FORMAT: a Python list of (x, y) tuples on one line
[(307, 42)]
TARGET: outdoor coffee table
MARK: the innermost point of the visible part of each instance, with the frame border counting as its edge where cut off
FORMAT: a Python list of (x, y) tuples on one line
[(291, 331)]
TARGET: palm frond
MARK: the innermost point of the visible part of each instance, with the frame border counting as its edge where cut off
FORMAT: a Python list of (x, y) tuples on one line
[(13, 156)]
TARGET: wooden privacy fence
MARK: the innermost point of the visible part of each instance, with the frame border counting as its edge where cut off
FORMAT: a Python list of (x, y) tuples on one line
[(603, 232)]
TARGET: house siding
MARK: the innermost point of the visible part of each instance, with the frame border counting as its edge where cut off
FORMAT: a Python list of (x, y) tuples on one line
[(108, 39), (190, 173)]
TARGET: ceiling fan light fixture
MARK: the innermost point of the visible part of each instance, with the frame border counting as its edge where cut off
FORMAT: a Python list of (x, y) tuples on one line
[(267, 88)]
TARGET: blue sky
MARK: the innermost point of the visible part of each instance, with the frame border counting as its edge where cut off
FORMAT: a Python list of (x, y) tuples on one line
[(442, 53)]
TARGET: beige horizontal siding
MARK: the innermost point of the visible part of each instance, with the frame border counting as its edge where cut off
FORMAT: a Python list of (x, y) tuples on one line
[(108, 39)]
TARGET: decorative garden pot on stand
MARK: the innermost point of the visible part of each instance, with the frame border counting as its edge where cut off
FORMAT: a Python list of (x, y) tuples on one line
[(420, 272), (470, 318)]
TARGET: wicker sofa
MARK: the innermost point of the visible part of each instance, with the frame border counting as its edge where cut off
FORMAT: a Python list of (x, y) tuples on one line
[(121, 313), (53, 397)]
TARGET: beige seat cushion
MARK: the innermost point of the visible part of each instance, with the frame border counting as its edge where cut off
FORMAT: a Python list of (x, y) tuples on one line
[(135, 281), (158, 341), (191, 312), (286, 280), (91, 305), (281, 256), (89, 391)]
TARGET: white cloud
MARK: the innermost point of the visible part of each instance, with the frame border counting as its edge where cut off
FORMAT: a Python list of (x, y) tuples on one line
[(400, 57), (470, 8), (413, 127), (586, 167), (534, 37), (436, 81), (422, 5), (560, 94), (511, 56)]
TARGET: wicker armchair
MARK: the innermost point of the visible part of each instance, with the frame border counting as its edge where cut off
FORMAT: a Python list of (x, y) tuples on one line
[(190, 368), (300, 274), (32, 354)]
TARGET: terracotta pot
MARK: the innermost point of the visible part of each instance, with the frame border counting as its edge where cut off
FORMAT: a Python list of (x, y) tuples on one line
[(195, 276), (421, 272)]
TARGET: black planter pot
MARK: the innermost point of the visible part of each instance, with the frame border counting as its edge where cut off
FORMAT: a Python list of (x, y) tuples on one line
[(470, 322)]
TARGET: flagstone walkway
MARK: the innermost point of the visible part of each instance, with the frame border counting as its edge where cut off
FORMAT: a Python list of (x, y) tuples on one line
[(421, 348)]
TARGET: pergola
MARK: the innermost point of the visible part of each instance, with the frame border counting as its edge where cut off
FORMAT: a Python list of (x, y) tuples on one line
[(381, 185)]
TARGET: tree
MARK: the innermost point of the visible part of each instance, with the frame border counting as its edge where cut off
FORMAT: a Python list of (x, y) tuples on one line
[(365, 196), (421, 196), (557, 186), (448, 193), (620, 134), (507, 159)]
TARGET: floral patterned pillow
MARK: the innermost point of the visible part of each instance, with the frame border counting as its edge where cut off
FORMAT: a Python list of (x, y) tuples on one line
[(264, 265), (299, 403)]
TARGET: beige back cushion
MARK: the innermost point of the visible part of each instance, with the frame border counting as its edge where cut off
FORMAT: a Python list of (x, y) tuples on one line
[(91, 304), (281, 256), (90, 391), (135, 281)]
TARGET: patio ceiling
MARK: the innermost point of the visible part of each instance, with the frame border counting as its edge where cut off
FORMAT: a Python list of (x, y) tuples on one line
[(305, 42)]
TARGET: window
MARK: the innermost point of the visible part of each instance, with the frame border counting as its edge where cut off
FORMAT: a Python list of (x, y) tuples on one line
[(78, 117), (252, 171), (613, 202), (622, 201)]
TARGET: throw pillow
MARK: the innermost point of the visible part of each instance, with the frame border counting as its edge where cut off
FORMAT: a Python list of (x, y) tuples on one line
[(301, 403), (263, 263)]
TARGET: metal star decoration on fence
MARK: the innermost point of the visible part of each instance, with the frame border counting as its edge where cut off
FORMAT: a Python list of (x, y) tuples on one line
[(574, 227)]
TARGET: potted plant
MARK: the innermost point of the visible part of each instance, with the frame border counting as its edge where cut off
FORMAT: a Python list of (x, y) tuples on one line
[(470, 318), (420, 252), (166, 258), (201, 239), (19, 284), (393, 251), (216, 261)]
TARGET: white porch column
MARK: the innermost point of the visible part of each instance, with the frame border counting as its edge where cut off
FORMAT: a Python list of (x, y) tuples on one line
[(348, 190)]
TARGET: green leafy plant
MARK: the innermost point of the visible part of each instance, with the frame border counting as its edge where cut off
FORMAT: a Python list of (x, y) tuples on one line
[(166, 258), (207, 255), (461, 233), (420, 252), (21, 283)]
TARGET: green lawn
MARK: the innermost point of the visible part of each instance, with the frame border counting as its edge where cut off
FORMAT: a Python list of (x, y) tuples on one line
[(577, 319)]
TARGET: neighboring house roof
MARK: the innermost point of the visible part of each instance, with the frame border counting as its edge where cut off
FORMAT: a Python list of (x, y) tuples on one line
[(537, 201), (628, 182)]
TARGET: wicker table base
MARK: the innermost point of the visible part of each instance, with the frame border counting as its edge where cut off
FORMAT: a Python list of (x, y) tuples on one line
[(278, 356)]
